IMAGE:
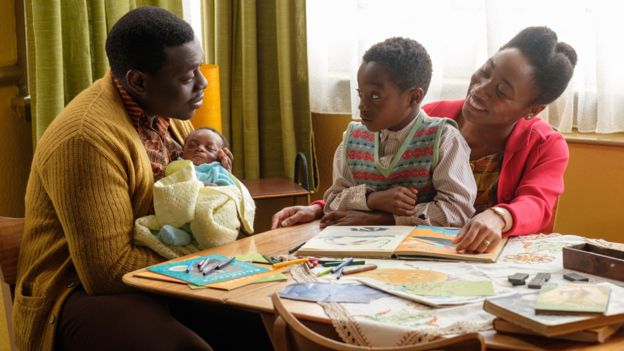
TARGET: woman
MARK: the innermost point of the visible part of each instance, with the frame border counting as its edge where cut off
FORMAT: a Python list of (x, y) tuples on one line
[(518, 160)]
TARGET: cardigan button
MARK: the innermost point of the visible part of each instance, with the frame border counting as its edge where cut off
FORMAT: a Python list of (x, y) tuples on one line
[(52, 319)]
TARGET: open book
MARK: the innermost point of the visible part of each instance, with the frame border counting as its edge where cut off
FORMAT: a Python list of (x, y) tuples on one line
[(403, 242)]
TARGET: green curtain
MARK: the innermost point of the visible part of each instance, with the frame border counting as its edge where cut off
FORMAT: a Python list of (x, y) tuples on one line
[(65, 44), (261, 50)]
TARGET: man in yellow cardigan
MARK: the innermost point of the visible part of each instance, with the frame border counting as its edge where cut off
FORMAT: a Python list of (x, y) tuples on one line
[(91, 177)]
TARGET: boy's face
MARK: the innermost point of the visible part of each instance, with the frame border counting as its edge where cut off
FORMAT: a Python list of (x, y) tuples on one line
[(202, 146), (382, 103)]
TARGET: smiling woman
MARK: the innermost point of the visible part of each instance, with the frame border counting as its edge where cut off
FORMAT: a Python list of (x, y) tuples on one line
[(523, 157)]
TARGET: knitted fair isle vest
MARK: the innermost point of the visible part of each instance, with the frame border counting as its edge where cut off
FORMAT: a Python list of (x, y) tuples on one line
[(411, 166)]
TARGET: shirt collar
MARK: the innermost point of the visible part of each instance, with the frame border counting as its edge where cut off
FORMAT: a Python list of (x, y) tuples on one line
[(400, 134), (137, 115)]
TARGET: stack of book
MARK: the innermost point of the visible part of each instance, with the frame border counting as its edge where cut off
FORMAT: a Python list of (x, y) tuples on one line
[(573, 311)]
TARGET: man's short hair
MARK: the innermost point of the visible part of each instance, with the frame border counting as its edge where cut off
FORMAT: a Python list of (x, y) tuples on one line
[(138, 40)]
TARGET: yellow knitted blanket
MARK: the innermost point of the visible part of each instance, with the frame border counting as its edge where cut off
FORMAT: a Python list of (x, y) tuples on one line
[(217, 214)]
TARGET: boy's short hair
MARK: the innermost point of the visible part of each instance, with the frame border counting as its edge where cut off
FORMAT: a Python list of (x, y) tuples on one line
[(139, 38), (405, 59), (225, 142)]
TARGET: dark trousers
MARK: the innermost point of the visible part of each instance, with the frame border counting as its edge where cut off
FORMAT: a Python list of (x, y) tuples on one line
[(140, 321)]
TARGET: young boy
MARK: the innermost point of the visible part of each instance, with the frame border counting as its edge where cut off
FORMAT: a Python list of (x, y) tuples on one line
[(398, 160), (202, 147)]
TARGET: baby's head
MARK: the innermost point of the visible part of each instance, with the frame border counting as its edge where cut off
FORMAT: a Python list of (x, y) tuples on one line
[(203, 145), (392, 81)]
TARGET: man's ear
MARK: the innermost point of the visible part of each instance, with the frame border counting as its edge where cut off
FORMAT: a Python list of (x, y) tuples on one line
[(416, 95), (136, 83)]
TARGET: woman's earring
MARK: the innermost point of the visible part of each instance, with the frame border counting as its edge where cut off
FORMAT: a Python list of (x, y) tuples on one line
[(529, 116)]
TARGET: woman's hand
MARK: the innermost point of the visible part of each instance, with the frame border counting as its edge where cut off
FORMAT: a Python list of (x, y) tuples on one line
[(357, 218), (225, 158), (481, 234), (400, 200), (296, 214)]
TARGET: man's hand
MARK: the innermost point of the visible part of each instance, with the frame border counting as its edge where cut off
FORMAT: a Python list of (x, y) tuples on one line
[(357, 218), (296, 214), (225, 158), (400, 200), (481, 234)]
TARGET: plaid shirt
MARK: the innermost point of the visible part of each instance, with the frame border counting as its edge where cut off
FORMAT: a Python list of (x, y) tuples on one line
[(159, 145)]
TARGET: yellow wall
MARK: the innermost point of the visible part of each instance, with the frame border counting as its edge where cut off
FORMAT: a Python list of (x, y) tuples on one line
[(15, 139), (15, 134), (594, 182), (591, 204)]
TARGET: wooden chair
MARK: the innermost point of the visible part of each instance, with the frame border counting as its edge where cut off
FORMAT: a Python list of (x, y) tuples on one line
[(11, 230), (292, 335), (551, 225)]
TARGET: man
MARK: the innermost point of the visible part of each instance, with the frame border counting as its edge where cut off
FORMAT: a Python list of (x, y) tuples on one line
[(91, 177)]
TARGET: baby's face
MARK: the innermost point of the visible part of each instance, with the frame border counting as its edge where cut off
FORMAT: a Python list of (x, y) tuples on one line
[(202, 146)]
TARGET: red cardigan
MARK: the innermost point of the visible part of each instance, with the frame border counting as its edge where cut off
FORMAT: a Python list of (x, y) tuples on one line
[(531, 177)]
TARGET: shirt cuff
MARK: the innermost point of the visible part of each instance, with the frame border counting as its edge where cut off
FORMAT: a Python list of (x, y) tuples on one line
[(318, 202), (356, 198), (408, 220)]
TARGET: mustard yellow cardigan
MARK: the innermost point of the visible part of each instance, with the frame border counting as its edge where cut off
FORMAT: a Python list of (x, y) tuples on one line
[(90, 179)]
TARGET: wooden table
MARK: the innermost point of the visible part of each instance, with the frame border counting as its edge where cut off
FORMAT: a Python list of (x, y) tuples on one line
[(256, 297)]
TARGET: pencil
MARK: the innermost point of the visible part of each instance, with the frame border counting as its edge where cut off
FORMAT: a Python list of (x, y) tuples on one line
[(288, 263), (342, 264), (337, 263), (358, 269), (295, 248), (323, 272)]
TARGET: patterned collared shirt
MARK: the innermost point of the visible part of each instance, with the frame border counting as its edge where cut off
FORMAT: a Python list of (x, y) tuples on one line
[(486, 171), (161, 148)]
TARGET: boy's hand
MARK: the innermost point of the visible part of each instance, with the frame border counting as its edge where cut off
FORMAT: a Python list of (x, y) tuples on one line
[(400, 201), (225, 158)]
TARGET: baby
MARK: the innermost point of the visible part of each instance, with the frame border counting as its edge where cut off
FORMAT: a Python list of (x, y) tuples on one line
[(202, 147), (188, 216)]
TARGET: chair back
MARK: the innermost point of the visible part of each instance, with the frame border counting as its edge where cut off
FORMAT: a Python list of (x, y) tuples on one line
[(289, 334), (11, 230), (551, 225)]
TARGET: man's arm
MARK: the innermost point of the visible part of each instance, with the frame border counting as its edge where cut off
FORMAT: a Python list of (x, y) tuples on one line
[(90, 193)]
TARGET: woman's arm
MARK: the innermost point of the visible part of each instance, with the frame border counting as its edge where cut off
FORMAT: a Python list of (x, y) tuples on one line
[(531, 208), (539, 188)]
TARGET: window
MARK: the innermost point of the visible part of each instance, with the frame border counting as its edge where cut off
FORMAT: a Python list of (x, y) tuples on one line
[(460, 35)]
